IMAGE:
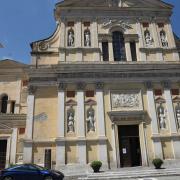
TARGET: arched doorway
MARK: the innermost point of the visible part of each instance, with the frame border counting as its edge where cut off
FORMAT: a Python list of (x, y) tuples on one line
[(118, 46)]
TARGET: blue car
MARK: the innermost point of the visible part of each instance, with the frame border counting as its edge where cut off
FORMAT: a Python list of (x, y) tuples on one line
[(30, 172)]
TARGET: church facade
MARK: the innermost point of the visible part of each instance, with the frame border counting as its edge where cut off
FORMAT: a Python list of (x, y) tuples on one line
[(105, 86)]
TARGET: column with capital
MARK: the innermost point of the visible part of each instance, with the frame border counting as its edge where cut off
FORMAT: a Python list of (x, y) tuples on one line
[(28, 142), (60, 141), (158, 153), (172, 119), (102, 149), (81, 144)]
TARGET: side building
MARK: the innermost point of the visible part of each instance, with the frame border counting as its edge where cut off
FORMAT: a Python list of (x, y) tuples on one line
[(13, 95)]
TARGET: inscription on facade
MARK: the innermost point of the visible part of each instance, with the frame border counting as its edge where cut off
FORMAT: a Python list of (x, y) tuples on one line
[(126, 100)]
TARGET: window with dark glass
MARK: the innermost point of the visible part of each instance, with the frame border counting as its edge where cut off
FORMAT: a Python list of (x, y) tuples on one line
[(133, 51), (4, 104), (105, 51), (118, 46)]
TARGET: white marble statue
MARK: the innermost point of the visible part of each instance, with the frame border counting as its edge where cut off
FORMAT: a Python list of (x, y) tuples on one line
[(148, 38), (178, 115), (90, 120), (70, 38), (71, 122), (163, 39), (87, 38), (162, 117)]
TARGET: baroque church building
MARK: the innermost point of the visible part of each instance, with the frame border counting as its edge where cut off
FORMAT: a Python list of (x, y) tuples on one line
[(105, 86)]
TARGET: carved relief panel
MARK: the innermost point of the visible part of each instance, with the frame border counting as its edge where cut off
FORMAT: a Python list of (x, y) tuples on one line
[(126, 100)]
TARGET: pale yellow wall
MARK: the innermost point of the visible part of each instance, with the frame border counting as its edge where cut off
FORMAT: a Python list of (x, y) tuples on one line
[(92, 151), (71, 151), (46, 102)]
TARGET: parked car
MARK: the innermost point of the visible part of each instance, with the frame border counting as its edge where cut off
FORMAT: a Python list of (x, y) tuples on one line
[(30, 172)]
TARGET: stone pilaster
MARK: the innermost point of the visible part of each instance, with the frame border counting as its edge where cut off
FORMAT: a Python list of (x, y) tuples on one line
[(60, 141), (172, 119), (111, 53), (62, 54), (101, 123), (140, 32), (13, 146), (128, 51), (81, 144), (154, 121), (27, 157)]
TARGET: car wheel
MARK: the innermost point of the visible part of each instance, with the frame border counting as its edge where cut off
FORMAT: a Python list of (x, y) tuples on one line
[(48, 178), (7, 178)]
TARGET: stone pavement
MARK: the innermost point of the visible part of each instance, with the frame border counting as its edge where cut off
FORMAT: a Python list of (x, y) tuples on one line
[(138, 173)]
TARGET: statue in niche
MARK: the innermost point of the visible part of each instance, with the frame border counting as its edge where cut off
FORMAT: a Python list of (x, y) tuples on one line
[(162, 117), (70, 119), (90, 119), (178, 114), (87, 38), (163, 39), (71, 38), (148, 38)]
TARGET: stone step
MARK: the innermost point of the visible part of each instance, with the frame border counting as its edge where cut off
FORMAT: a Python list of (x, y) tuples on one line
[(132, 174)]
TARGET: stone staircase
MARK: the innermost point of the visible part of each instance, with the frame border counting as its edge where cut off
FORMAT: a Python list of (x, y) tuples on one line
[(140, 173)]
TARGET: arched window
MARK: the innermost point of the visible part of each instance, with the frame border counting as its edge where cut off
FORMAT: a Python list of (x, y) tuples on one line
[(118, 46), (4, 104)]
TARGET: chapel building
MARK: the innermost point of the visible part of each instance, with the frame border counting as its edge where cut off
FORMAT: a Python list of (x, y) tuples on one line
[(105, 86)]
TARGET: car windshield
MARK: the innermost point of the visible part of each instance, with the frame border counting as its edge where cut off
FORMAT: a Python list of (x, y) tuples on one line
[(39, 167)]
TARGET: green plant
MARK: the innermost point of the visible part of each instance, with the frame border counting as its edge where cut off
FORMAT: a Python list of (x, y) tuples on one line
[(157, 163), (96, 165)]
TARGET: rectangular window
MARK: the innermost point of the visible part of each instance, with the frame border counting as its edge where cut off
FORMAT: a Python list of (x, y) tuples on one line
[(105, 51), (145, 24), (175, 92), (70, 94), (13, 106), (86, 24), (160, 25), (70, 24), (133, 51), (158, 92), (89, 93), (22, 131)]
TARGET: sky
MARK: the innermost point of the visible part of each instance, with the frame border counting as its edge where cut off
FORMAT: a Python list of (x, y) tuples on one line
[(26, 21)]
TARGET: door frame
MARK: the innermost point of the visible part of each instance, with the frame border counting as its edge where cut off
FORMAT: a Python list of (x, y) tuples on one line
[(8, 148), (142, 139)]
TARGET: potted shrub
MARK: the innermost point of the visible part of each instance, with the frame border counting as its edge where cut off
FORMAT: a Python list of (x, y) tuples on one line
[(96, 165), (157, 163)]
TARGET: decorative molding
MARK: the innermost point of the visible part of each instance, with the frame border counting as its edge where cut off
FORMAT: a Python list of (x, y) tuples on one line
[(90, 102), (160, 100), (126, 100), (71, 102), (43, 46), (176, 99), (110, 23)]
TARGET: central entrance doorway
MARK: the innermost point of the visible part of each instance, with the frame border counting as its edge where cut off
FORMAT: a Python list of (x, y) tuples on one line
[(129, 146), (3, 148)]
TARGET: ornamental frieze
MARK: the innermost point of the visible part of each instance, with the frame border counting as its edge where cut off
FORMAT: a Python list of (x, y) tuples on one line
[(130, 100)]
